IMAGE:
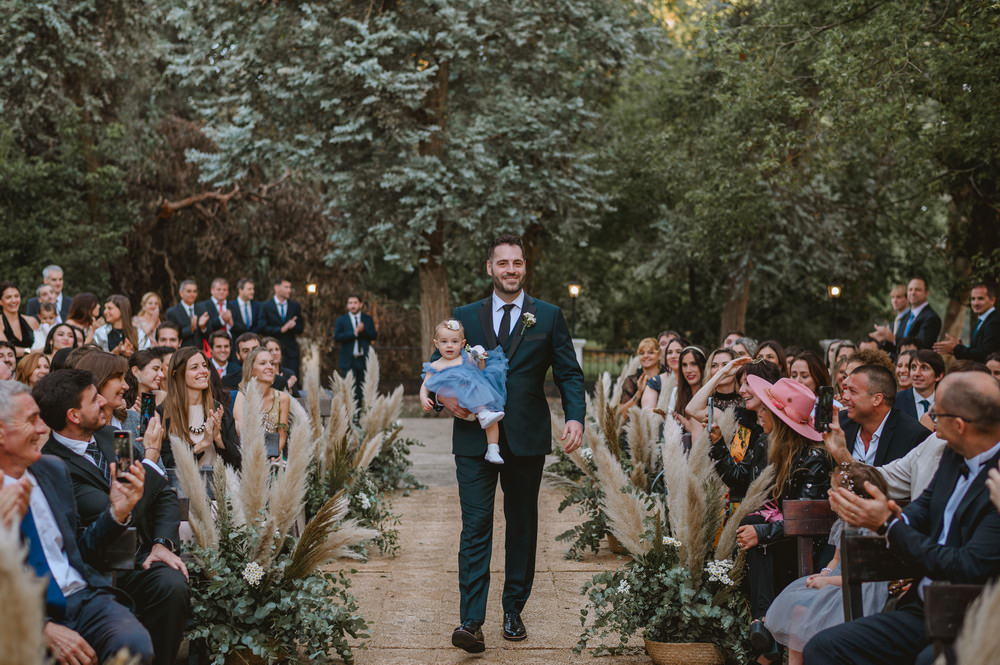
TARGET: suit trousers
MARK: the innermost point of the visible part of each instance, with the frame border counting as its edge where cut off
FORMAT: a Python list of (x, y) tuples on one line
[(520, 478), (162, 603), (357, 367), (889, 638), (107, 625)]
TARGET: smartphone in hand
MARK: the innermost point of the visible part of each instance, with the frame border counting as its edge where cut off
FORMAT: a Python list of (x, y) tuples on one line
[(824, 408), (711, 414), (147, 409), (124, 441)]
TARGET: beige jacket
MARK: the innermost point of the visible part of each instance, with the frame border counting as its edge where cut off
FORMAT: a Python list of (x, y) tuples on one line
[(910, 475)]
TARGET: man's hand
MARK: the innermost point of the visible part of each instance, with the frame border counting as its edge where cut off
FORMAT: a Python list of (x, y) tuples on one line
[(857, 511), (292, 380), (67, 646), (124, 495), (152, 440), (358, 329), (227, 317), (882, 334), (993, 482), (161, 554), (836, 443), (203, 320), (14, 501), (746, 537), (451, 404), (289, 324), (572, 435), (947, 345)]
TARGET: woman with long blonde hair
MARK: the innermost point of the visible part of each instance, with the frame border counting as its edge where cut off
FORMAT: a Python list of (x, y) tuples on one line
[(191, 414), (150, 314), (259, 371), (647, 376)]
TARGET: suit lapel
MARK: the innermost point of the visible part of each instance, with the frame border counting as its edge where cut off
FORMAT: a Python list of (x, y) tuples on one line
[(975, 489), (518, 332), (486, 321), (886, 439), (79, 463)]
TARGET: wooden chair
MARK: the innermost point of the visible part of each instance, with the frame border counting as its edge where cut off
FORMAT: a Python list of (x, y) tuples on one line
[(184, 504), (806, 520), (945, 606), (865, 558)]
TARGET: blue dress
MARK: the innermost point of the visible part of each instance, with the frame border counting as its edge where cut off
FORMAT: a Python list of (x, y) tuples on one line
[(475, 389)]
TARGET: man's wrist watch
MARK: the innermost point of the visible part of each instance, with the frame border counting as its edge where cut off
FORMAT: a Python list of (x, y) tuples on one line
[(882, 530), (166, 542)]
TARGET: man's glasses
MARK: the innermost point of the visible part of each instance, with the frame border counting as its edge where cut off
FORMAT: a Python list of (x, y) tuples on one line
[(934, 416)]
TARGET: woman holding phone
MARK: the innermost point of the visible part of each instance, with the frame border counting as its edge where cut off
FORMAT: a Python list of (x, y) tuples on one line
[(118, 335)]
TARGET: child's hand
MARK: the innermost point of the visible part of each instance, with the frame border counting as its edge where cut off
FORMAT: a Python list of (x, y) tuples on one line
[(427, 403)]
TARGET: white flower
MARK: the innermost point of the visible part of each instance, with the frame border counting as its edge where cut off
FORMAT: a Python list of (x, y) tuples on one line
[(253, 573), (528, 319), (452, 324), (718, 571), (587, 453), (667, 540), (624, 587), (366, 503)]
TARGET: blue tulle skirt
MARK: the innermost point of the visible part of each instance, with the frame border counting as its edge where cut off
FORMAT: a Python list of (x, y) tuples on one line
[(475, 389)]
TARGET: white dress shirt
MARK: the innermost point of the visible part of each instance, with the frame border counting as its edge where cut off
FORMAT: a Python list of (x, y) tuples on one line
[(66, 576), (918, 398), (515, 312), (868, 456), (59, 302), (80, 448), (220, 307), (246, 310), (355, 320)]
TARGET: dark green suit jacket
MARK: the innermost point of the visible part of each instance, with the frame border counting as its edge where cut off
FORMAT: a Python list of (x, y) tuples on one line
[(533, 350)]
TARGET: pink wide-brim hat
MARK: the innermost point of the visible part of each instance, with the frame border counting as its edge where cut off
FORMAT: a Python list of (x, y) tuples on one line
[(789, 400)]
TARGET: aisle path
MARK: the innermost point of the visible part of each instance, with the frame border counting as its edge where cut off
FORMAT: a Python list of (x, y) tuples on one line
[(411, 602)]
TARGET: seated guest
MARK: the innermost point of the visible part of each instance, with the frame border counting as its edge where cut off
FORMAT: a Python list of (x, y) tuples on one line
[(952, 531), (772, 351), (85, 622), (246, 343), (993, 364), (8, 357), (692, 374), (108, 373), (903, 380), (876, 433), (191, 413), (730, 338), (18, 330), (985, 336), (664, 339), (84, 315), (47, 318), (808, 369), (228, 370), (740, 461), (150, 314), (61, 336), (158, 586), (118, 335), (926, 371), (259, 371), (802, 472), (31, 368), (814, 603), (634, 386), (146, 372), (6, 374), (744, 346), (721, 385), (284, 377), (168, 333)]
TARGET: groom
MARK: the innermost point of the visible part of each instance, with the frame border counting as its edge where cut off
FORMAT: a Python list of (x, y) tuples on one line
[(534, 336)]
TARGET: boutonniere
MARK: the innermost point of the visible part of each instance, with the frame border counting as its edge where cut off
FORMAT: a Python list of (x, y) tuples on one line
[(527, 321)]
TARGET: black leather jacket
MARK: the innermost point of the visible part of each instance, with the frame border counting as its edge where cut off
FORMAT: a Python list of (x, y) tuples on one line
[(738, 475), (810, 479)]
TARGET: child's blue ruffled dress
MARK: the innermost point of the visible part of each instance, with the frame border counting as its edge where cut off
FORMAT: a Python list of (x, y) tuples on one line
[(475, 389)]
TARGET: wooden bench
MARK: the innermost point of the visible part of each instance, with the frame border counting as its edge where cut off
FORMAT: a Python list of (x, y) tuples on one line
[(865, 558), (806, 520), (945, 607)]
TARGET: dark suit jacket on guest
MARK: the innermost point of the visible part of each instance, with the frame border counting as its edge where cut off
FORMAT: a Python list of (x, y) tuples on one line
[(84, 547), (271, 323), (233, 374), (178, 315), (904, 402), (971, 554), (239, 325), (214, 322), (157, 514), (34, 304), (925, 328), (984, 342), (343, 334), (901, 434)]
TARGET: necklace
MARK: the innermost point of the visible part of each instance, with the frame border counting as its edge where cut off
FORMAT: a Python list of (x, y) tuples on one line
[(200, 429)]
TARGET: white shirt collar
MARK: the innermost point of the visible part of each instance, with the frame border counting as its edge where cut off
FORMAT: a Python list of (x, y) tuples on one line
[(982, 317), (868, 456), (915, 311), (279, 301), (218, 366), (498, 303), (77, 446)]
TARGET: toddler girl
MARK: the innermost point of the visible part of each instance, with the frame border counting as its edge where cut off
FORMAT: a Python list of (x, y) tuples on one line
[(476, 379)]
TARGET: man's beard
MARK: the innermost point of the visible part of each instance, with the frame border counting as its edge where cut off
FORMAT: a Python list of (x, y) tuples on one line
[(500, 288)]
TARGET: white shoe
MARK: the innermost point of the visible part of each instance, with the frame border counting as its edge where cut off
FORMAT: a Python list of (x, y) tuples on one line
[(487, 418), (493, 453)]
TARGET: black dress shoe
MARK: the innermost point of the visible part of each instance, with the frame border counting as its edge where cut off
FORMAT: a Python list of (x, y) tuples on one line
[(513, 627), (761, 640), (469, 636)]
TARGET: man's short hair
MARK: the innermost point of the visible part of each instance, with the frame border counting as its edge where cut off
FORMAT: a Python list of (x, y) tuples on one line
[(280, 280), (932, 358), (880, 380), (243, 282), (185, 283), (218, 334), (220, 280), (247, 337), (161, 352), (872, 357), (927, 285), (968, 365), (991, 288), (167, 324), (58, 392), (8, 391), (48, 270), (356, 295), (504, 239), (978, 404), (993, 357)]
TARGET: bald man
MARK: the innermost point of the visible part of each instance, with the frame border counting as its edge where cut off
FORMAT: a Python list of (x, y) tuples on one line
[(952, 531)]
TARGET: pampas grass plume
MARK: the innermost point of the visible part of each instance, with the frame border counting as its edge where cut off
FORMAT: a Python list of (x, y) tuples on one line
[(979, 641), (22, 611), (199, 510), (256, 469)]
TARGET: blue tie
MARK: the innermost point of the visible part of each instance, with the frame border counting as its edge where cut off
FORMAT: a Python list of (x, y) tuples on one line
[(246, 314), (281, 310), (54, 597), (909, 322), (975, 329)]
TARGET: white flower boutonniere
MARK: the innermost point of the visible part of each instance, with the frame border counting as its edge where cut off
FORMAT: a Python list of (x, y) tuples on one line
[(528, 320)]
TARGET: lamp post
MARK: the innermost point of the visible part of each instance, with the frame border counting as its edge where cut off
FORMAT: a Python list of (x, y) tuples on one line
[(575, 288), (834, 291)]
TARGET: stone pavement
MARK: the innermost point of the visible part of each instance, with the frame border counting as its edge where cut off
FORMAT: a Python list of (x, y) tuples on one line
[(411, 601)]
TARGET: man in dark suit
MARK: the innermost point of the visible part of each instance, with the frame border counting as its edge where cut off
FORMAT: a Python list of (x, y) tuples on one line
[(220, 313), (159, 584), (926, 371), (222, 363), (52, 276), (952, 531), (985, 337), (281, 318), (922, 325), (189, 315), (85, 622), (534, 337), (246, 310), (355, 332), (876, 433)]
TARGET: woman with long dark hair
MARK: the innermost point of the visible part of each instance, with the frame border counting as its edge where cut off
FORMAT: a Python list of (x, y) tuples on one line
[(84, 311), (773, 352), (808, 369), (118, 335), (17, 329), (61, 336)]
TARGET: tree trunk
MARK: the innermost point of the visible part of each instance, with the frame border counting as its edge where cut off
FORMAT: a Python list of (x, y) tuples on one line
[(434, 306), (734, 311)]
